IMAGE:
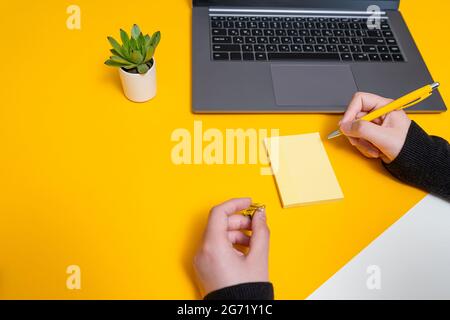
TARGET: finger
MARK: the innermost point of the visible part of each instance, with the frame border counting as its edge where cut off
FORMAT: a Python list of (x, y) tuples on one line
[(239, 222), (367, 149), (259, 241), (363, 102), (377, 121), (217, 226), (238, 237), (369, 131)]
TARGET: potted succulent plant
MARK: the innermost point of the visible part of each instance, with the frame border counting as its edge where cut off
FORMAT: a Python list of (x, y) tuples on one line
[(136, 63)]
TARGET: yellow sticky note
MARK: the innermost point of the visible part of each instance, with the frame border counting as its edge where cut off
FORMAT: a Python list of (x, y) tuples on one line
[(302, 170)]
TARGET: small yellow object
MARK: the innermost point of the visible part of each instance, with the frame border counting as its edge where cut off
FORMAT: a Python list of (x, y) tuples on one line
[(250, 211)]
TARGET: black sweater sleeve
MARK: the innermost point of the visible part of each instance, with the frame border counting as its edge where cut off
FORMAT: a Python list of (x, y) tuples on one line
[(424, 162), (243, 291)]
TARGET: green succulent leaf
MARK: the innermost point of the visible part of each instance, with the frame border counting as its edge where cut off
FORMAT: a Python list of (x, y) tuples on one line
[(136, 57), (113, 63), (133, 45), (120, 60), (135, 31), (125, 39), (148, 39), (142, 68), (149, 54), (156, 38), (116, 46)]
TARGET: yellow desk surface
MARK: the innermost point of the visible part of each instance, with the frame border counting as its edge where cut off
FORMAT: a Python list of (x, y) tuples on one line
[(86, 176)]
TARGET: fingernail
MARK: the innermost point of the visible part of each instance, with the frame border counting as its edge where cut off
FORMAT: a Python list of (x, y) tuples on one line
[(262, 214)]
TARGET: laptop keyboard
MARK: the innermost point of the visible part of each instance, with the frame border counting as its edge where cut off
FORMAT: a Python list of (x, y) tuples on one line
[(264, 38)]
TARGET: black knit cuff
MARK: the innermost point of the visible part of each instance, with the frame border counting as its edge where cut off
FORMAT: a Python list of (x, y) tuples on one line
[(424, 162), (243, 291)]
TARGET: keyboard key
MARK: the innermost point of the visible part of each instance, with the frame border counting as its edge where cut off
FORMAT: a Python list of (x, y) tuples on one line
[(245, 32), (374, 33), (333, 40), (226, 47), (373, 41), (228, 24), (220, 56), (394, 49), (388, 34), (269, 32), (248, 56), (346, 57), (345, 40), (310, 40), (343, 48), (261, 56), (271, 48), (320, 48), (308, 48), (247, 48), (296, 48), (250, 40), (274, 40), (304, 33), (285, 40), (356, 40), (361, 57), (355, 49), (219, 32), (374, 57), (233, 32), (332, 48), (280, 32), (316, 33), (303, 56), (383, 49), (398, 57), (391, 41), (216, 24), (262, 40), (221, 39), (386, 57), (257, 32), (292, 33), (283, 48), (298, 40), (259, 47), (238, 40), (321, 40), (369, 49), (235, 56)]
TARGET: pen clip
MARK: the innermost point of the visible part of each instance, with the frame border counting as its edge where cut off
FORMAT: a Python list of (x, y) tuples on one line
[(416, 101)]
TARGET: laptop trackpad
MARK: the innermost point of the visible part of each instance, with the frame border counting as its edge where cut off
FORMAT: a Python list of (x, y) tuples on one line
[(312, 86)]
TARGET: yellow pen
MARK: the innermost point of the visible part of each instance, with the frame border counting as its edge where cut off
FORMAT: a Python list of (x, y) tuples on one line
[(404, 102)]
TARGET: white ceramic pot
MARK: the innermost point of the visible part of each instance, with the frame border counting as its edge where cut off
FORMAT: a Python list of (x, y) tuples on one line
[(139, 87)]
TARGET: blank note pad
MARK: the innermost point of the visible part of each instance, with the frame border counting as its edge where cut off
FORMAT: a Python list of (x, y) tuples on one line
[(302, 170)]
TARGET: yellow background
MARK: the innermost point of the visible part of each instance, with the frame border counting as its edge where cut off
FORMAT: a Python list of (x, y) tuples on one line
[(86, 176)]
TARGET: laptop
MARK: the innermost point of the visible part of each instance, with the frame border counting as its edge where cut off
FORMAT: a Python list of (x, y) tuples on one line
[(302, 56)]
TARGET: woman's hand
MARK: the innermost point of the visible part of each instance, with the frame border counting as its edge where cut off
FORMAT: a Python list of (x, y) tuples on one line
[(218, 263), (382, 138)]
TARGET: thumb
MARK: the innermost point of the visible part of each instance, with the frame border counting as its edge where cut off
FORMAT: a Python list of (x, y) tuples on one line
[(366, 130), (259, 241)]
